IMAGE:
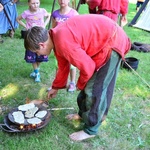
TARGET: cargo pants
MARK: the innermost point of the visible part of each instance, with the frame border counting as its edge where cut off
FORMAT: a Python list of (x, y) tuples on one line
[(94, 101)]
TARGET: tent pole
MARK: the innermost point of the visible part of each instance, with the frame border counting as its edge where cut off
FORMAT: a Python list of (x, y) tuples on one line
[(51, 14), (53, 10), (138, 13), (78, 5)]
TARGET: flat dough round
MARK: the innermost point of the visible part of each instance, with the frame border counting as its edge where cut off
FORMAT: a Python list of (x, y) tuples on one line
[(34, 120), (26, 107), (41, 114), (18, 117), (31, 112)]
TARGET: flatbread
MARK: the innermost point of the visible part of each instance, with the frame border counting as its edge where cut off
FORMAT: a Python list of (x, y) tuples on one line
[(30, 113), (41, 114), (34, 120), (26, 107), (18, 117)]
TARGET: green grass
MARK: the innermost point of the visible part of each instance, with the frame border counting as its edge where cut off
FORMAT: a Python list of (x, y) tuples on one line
[(127, 126)]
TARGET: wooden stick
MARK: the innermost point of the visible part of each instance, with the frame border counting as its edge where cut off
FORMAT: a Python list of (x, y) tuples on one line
[(61, 108)]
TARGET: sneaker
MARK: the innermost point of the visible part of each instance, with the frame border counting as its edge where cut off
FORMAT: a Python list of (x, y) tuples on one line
[(37, 78), (33, 75), (71, 87)]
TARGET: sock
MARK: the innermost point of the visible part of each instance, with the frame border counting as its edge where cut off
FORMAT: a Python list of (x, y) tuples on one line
[(72, 83), (36, 71)]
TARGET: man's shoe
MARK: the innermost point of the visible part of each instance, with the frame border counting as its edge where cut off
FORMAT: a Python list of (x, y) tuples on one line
[(33, 75)]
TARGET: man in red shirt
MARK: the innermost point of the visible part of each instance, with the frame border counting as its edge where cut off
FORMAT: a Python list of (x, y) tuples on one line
[(96, 50), (110, 8)]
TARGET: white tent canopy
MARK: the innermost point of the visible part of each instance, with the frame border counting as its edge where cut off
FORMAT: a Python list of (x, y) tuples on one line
[(144, 19)]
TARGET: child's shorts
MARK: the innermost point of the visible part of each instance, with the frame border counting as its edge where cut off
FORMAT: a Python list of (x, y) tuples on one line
[(32, 57)]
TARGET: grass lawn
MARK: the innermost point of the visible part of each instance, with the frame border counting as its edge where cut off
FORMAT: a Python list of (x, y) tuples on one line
[(127, 126)]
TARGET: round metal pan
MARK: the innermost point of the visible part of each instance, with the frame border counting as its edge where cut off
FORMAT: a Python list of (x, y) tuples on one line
[(4, 128), (9, 126)]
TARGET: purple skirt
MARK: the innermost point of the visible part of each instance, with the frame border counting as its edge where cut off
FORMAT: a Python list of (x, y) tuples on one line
[(32, 57)]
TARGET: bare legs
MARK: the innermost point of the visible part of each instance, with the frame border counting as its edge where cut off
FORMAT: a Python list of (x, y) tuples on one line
[(36, 65), (73, 117), (72, 75), (80, 135), (72, 85)]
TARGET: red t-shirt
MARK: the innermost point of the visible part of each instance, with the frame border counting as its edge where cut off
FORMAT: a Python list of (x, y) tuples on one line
[(86, 41), (114, 6)]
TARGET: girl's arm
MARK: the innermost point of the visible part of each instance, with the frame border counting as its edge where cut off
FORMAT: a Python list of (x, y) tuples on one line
[(53, 23), (47, 19), (19, 20)]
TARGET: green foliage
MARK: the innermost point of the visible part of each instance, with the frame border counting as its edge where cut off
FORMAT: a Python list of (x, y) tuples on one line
[(127, 126)]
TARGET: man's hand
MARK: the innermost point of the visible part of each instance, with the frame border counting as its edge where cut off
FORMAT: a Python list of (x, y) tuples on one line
[(52, 93), (123, 21)]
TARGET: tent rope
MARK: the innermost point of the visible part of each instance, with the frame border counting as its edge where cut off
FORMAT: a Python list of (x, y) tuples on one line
[(137, 74)]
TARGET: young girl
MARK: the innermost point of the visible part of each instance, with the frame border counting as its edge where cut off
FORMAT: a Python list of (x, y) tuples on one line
[(58, 17), (34, 16)]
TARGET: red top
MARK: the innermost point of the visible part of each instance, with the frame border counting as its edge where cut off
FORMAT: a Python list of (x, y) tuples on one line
[(86, 41), (114, 6)]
